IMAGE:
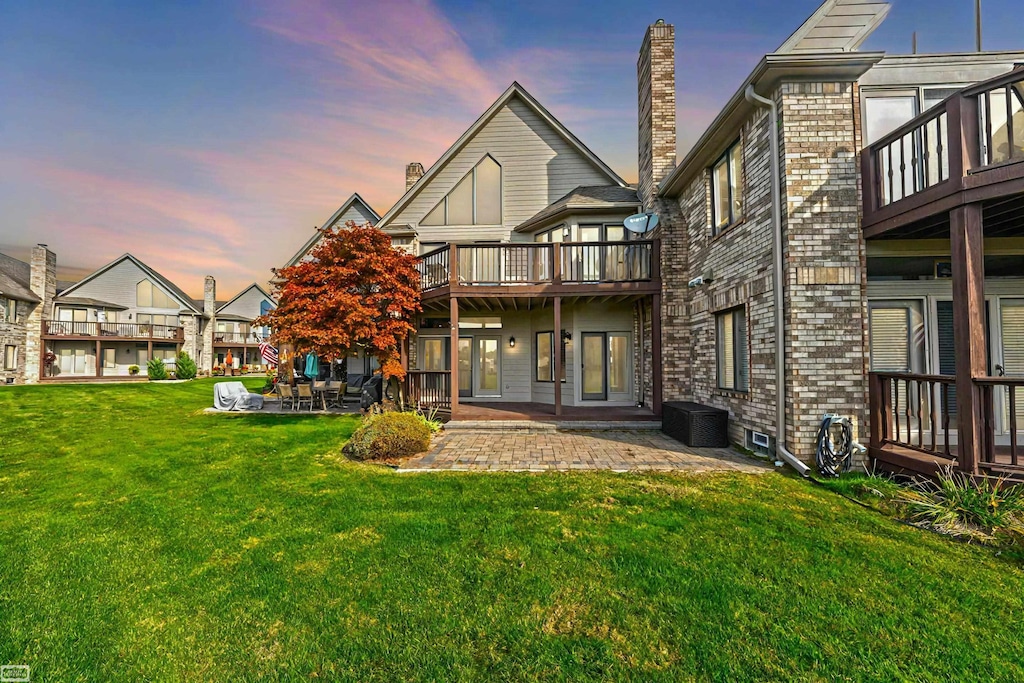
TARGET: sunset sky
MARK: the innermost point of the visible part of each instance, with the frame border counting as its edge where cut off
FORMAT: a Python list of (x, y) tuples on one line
[(210, 137)]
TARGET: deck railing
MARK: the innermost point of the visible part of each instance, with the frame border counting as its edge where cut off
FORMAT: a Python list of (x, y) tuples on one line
[(539, 263), (919, 412), (913, 411), (429, 389), (972, 129), (67, 328), (236, 338)]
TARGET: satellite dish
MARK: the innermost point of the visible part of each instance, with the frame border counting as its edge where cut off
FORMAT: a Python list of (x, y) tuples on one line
[(641, 222)]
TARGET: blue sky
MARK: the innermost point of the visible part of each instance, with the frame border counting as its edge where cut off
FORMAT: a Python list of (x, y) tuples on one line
[(210, 137)]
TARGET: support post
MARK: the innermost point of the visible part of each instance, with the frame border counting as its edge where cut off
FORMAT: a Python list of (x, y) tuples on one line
[(967, 249), (655, 354), (99, 360), (149, 351), (557, 351), (454, 353)]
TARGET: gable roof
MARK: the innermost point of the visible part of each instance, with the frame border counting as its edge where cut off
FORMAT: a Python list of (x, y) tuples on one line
[(15, 280), (349, 203), (175, 291), (585, 199), (230, 301), (514, 90), (837, 26)]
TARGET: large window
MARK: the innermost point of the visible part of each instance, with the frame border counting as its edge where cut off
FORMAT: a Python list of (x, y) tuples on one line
[(884, 113), (8, 310), (480, 323), (10, 357), (475, 200), (149, 296), (731, 346), (435, 354), (160, 319), (727, 188)]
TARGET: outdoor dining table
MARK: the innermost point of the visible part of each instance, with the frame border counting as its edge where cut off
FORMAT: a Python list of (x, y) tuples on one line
[(327, 394)]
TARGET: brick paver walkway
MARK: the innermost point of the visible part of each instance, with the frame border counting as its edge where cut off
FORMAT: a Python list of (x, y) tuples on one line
[(576, 450)]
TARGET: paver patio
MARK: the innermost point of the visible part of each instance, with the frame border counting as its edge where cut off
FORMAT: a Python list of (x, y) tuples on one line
[(616, 450)]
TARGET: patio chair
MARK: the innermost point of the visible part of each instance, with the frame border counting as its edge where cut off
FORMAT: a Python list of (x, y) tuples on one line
[(338, 390), (305, 395), (284, 392)]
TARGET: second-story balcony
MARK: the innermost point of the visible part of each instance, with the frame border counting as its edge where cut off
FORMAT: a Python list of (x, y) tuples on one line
[(967, 149), (66, 329), (541, 267), (236, 339)]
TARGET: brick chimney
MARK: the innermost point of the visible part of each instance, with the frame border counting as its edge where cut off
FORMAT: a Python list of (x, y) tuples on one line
[(210, 322), (413, 172), (43, 282), (656, 83)]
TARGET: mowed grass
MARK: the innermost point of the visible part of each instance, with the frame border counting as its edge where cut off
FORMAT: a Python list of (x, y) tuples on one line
[(141, 540)]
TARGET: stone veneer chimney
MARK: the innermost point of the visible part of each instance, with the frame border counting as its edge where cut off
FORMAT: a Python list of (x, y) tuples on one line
[(656, 82), (210, 321), (413, 172), (43, 282)]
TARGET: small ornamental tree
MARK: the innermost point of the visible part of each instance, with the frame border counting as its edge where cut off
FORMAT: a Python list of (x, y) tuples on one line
[(185, 367), (356, 291)]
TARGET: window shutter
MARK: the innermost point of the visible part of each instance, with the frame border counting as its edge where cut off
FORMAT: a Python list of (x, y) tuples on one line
[(890, 340), (1013, 350), (740, 342)]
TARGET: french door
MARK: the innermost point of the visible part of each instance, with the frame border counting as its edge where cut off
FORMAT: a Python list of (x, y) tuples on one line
[(487, 366), (595, 388), (606, 365)]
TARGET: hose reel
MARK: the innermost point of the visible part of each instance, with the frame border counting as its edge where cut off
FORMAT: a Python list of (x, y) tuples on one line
[(836, 446)]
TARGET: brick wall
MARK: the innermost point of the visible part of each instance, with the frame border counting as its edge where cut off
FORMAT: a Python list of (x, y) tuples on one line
[(15, 333), (44, 285), (826, 316), (657, 108), (824, 273)]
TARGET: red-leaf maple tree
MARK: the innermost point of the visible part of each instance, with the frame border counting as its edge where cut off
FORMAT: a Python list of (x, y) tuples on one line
[(357, 291)]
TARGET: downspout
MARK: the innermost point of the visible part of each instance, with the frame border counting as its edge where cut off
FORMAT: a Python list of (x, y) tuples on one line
[(780, 320)]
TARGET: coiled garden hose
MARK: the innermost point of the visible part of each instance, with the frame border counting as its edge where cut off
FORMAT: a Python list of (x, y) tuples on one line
[(836, 446)]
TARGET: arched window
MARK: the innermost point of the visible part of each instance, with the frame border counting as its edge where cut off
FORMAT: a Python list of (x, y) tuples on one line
[(475, 200)]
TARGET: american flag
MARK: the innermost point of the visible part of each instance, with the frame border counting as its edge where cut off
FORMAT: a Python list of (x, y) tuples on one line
[(268, 352)]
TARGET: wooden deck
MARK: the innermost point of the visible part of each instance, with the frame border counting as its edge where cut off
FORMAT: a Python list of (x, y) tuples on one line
[(546, 412)]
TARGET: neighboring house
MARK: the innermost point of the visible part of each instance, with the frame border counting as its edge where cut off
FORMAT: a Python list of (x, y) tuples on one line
[(531, 285), (26, 290), (354, 209), (234, 332), (121, 315), (867, 280)]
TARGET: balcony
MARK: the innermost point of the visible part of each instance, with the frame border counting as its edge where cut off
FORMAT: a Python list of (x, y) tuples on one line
[(236, 339), (64, 329), (967, 149), (541, 268)]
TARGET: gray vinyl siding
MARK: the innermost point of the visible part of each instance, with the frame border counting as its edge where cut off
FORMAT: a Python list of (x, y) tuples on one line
[(538, 167), (247, 305), (117, 286), (357, 213)]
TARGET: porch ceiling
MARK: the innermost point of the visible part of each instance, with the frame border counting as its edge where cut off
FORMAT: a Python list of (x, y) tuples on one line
[(1002, 217)]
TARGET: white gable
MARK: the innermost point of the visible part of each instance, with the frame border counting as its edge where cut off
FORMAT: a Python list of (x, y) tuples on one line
[(538, 166), (357, 213), (247, 304), (117, 285)]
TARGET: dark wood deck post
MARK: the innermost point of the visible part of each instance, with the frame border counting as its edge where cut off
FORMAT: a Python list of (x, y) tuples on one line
[(556, 264), (967, 248), (655, 354), (557, 352), (99, 361), (454, 354)]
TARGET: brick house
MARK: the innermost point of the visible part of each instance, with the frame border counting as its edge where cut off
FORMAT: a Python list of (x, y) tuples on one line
[(735, 234)]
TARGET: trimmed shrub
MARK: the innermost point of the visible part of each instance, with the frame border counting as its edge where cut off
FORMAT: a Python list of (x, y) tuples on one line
[(156, 369), (186, 367), (133, 370), (388, 436)]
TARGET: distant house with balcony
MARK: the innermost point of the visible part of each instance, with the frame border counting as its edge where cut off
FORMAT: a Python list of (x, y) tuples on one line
[(121, 315), (234, 332), (26, 292)]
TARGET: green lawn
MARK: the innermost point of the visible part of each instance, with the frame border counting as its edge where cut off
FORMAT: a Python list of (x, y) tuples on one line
[(141, 540)]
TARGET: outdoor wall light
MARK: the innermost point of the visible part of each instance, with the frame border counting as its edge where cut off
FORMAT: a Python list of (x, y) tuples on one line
[(512, 342), (566, 336)]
